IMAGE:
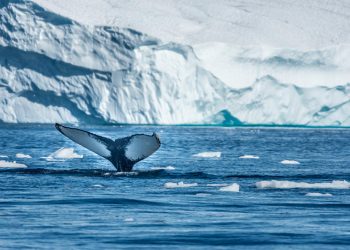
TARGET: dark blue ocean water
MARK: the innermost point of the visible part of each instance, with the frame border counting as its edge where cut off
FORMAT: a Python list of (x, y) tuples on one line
[(85, 204)]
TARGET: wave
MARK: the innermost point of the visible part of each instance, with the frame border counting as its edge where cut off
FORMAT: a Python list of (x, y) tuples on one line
[(164, 173), (124, 201)]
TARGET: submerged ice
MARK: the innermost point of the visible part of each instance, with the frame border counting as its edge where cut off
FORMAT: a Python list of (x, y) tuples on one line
[(54, 69)]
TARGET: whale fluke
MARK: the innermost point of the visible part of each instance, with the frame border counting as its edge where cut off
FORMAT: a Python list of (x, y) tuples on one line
[(123, 153)]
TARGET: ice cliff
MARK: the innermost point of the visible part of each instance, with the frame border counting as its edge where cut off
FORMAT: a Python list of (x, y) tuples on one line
[(54, 69)]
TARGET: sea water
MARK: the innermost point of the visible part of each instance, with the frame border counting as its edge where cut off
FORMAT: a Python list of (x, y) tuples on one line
[(200, 190)]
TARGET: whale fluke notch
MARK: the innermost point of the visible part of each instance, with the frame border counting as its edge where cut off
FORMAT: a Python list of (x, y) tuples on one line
[(123, 153)]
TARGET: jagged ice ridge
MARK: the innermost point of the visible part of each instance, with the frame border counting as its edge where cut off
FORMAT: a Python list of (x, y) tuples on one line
[(54, 69)]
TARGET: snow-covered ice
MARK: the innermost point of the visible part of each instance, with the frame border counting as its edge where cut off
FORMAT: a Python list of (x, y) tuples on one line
[(20, 155), (9, 164), (181, 66), (208, 155), (292, 184), (290, 162), (291, 24), (180, 184), (231, 188)]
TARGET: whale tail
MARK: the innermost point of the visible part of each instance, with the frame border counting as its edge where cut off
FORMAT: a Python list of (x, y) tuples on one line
[(123, 153)]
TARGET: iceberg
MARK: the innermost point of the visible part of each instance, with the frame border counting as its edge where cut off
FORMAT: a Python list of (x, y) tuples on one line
[(57, 69)]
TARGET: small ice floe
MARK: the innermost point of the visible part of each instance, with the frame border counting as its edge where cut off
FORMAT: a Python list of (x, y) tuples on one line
[(20, 155), (163, 168), (4, 156), (9, 164), (129, 219), (216, 185), (64, 153), (98, 186), (208, 155), (249, 157), (180, 184), (202, 194), (319, 194), (231, 188), (125, 173), (290, 162), (292, 184)]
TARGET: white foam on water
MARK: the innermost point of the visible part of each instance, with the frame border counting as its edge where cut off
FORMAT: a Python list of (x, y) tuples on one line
[(216, 185), (234, 187), (63, 153), (319, 194), (3, 156), (8, 164), (163, 168), (180, 184), (20, 155), (290, 162), (208, 155), (291, 184), (249, 157)]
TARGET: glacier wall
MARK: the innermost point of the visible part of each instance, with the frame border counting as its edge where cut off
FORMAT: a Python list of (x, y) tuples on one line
[(54, 69)]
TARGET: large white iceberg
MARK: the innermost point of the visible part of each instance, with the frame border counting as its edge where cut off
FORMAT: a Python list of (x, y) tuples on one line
[(54, 69)]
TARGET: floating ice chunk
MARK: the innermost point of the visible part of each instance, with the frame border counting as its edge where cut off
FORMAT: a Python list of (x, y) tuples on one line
[(202, 194), (64, 153), (319, 194), (290, 162), (129, 219), (98, 186), (20, 155), (180, 184), (208, 155), (249, 157), (231, 188), (291, 184), (3, 156), (163, 168), (8, 164), (216, 185)]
